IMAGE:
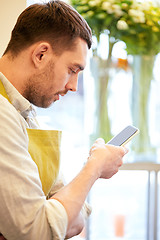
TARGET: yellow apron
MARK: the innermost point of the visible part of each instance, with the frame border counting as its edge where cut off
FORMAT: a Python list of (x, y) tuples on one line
[(44, 148)]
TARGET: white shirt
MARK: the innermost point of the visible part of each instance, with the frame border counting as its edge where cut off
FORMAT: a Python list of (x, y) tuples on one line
[(25, 214)]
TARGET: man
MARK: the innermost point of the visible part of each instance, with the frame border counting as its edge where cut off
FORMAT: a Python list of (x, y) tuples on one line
[(47, 50)]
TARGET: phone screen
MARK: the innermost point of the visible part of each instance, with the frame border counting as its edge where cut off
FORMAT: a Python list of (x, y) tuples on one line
[(124, 136)]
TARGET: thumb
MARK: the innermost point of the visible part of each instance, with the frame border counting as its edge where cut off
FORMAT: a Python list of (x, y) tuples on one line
[(100, 140)]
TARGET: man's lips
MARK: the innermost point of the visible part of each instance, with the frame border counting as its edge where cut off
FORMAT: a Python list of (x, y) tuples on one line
[(60, 94), (63, 93), (56, 97)]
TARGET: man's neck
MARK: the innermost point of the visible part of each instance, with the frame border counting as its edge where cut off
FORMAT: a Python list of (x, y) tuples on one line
[(13, 71)]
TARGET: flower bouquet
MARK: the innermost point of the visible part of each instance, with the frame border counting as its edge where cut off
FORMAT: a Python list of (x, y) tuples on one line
[(132, 21)]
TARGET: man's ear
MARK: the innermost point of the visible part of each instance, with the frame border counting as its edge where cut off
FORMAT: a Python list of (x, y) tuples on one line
[(41, 54)]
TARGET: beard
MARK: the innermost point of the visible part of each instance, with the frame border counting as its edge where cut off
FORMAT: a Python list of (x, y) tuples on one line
[(39, 87)]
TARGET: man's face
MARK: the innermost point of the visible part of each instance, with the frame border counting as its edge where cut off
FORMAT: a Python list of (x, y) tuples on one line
[(58, 77)]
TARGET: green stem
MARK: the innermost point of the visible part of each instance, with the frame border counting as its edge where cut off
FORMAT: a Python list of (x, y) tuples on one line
[(143, 75), (102, 78)]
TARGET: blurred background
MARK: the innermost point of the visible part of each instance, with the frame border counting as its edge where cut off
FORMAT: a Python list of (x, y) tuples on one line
[(120, 86)]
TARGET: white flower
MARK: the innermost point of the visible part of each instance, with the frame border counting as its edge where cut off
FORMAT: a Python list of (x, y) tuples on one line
[(122, 25), (106, 6), (145, 6), (94, 3), (132, 12), (84, 1), (112, 8), (124, 5), (137, 15), (98, 1), (111, 1), (142, 6), (116, 7), (118, 13), (90, 13)]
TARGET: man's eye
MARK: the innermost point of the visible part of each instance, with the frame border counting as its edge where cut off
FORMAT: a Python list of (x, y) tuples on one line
[(73, 71)]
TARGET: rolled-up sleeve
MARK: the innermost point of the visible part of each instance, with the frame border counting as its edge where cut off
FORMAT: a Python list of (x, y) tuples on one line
[(59, 227), (25, 214)]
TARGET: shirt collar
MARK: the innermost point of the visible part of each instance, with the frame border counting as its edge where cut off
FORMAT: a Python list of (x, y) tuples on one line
[(22, 105)]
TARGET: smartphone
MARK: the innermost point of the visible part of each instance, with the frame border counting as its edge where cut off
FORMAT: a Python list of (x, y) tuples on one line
[(124, 136)]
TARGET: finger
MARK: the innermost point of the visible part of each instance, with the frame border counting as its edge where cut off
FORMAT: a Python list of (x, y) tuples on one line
[(97, 143), (100, 140), (120, 163), (125, 150)]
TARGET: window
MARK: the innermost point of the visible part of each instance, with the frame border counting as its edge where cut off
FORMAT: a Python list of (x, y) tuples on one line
[(119, 207)]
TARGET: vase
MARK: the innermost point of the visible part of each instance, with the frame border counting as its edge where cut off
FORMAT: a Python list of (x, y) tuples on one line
[(101, 72), (141, 89)]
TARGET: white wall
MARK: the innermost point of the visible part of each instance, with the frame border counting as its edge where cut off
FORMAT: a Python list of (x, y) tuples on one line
[(9, 11)]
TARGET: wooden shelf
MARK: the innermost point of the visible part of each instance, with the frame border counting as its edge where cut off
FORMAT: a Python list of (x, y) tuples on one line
[(148, 166)]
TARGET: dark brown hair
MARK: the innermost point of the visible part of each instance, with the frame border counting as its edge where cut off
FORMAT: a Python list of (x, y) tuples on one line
[(55, 22)]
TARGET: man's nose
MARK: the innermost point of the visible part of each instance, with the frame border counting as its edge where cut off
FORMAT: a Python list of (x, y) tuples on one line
[(72, 84)]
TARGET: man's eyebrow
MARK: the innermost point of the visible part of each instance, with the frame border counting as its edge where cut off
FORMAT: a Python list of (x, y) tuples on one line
[(81, 67)]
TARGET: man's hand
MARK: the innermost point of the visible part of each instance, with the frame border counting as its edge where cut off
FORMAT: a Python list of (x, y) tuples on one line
[(106, 158)]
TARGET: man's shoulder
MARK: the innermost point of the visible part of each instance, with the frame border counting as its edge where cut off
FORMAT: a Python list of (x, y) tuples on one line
[(6, 106), (8, 113), (11, 121)]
